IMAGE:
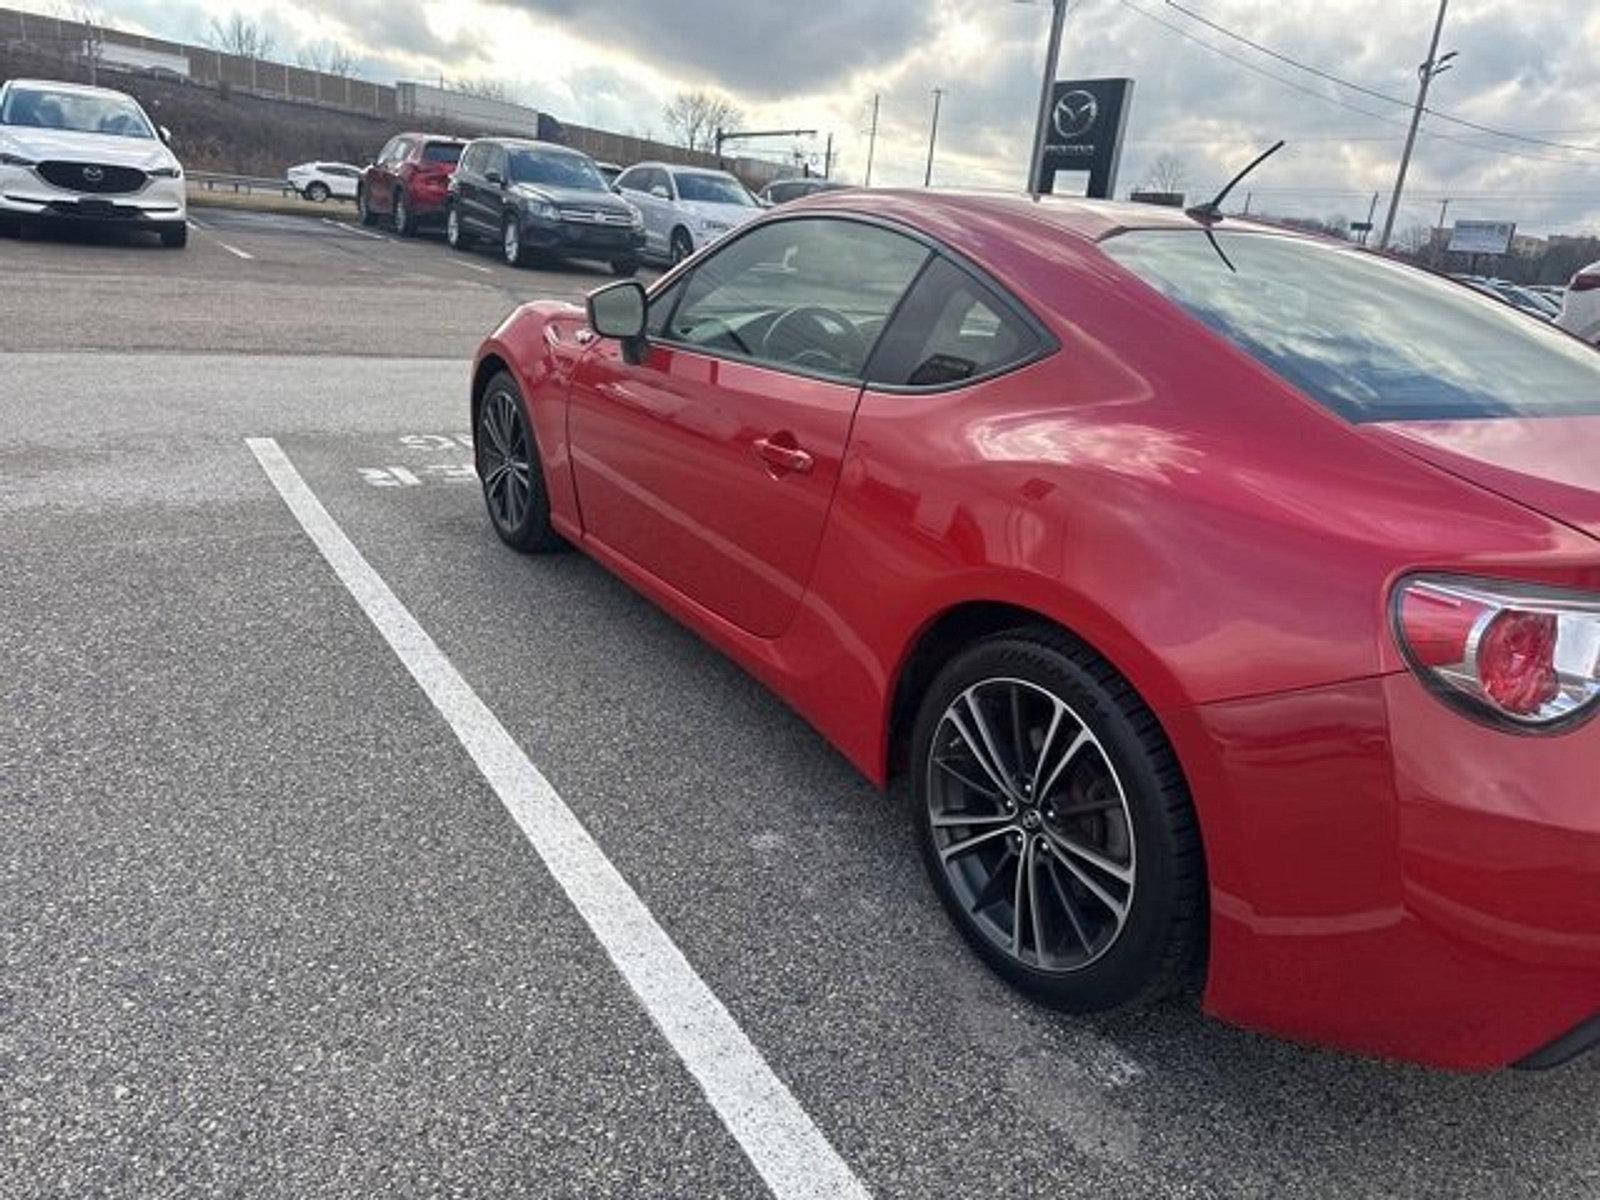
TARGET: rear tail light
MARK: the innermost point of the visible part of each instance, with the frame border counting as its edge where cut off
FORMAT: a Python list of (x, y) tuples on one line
[(1522, 656), (1584, 283)]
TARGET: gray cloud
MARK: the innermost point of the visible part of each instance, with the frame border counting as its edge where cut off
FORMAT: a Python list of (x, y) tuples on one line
[(757, 49)]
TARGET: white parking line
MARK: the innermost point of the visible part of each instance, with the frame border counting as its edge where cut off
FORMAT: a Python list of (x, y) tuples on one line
[(783, 1144), (346, 227), (234, 250), (470, 266)]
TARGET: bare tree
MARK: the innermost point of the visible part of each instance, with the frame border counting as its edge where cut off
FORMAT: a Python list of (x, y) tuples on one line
[(1168, 173), (694, 118), (238, 34), (94, 24), (329, 58), (1415, 238)]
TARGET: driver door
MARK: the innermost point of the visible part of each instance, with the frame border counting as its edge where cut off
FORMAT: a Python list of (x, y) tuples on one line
[(711, 463)]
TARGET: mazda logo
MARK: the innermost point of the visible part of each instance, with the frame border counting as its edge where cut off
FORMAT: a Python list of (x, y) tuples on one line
[(93, 174), (1075, 114)]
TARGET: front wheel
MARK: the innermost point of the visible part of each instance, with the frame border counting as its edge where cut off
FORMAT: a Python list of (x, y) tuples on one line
[(511, 247), (368, 217), (1056, 826), (510, 469), (454, 233), (317, 192), (682, 245)]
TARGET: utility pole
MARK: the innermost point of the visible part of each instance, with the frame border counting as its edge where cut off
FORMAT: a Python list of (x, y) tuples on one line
[(1425, 74), (872, 138), (1248, 196), (1047, 89), (1437, 249), (827, 158), (1372, 211), (933, 134)]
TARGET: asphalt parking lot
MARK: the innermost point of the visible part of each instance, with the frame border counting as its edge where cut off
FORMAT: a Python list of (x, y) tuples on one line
[(270, 931)]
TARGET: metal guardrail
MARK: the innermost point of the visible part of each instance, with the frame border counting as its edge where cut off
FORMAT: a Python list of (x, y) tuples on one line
[(239, 183)]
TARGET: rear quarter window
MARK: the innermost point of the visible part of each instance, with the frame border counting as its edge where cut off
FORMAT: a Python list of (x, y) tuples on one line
[(1370, 339), (442, 152)]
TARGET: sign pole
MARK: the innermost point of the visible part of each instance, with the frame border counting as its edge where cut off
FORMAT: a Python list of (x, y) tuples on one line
[(1433, 66), (1041, 127)]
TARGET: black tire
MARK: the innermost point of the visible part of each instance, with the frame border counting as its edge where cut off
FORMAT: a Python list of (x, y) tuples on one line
[(682, 245), (368, 217), (625, 268), (455, 233), (1084, 958), (10, 227), (405, 224), (175, 237), (512, 249), (317, 192), (502, 425)]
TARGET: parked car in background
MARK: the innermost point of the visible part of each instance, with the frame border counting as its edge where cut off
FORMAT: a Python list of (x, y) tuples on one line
[(1580, 307), (536, 198), (685, 208), (781, 191), (319, 181), (1517, 297), (409, 181), (88, 155), (608, 171), (1225, 600)]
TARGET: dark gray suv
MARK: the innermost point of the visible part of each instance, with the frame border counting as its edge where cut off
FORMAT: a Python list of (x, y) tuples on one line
[(536, 199)]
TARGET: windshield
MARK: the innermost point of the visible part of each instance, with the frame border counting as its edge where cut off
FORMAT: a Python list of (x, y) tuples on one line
[(714, 189), (1370, 339), (556, 170), (79, 112), (442, 152)]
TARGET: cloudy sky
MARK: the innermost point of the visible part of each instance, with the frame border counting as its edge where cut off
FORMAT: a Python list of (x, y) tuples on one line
[(1525, 66)]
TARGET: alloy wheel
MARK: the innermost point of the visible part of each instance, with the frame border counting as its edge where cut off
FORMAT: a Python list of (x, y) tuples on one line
[(402, 218), (452, 227), (504, 461), (1031, 825), (513, 243)]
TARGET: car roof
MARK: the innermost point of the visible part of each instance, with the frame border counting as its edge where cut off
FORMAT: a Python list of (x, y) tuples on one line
[(58, 85), (680, 168), (534, 144), (959, 215)]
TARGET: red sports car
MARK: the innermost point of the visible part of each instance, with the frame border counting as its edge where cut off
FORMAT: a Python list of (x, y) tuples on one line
[(1227, 599)]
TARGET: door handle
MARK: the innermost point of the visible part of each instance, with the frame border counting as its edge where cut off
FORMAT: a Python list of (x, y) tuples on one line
[(783, 455)]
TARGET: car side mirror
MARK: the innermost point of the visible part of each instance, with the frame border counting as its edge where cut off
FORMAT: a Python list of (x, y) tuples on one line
[(166, 134), (660, 192), (618, 311), (493, 177)]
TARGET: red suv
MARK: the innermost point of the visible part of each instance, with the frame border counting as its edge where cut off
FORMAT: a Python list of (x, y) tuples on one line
[(409, 181)]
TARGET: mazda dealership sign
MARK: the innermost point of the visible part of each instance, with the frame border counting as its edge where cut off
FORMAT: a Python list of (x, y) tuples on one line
[(1084, 133)]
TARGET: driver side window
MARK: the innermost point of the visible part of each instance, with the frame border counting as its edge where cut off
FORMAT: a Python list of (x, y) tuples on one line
[(810, 295)]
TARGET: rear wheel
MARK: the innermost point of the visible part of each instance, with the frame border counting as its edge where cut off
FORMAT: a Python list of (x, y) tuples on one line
[(454, 232), (682, 245), (317, 192), (404, 223), (510, 470), (1056, 826), (368, 217), (175, 237)]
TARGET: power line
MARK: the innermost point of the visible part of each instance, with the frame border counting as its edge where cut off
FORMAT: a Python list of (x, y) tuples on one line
[(1335, 100), (1367, 91)]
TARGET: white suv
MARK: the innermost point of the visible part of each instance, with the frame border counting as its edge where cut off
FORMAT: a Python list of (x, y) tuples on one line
[(1580, 307), (685, 208), (75, 153)]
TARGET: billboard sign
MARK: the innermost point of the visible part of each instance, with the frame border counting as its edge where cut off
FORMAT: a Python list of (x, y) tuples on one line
[(1084, 132), (1482, 237)]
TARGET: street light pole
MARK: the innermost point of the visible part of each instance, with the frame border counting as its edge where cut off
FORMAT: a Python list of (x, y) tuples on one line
[(1433, 66), (1047, 91), (872, 139), (933, 133)]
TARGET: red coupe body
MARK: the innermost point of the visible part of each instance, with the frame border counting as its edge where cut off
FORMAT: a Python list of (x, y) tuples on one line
[(1385, 874)]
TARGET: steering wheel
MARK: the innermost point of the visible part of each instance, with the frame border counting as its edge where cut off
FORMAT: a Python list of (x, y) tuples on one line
[(809, 332)]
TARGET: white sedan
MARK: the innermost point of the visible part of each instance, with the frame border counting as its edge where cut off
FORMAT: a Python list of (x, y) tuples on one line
[(320, 180)]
